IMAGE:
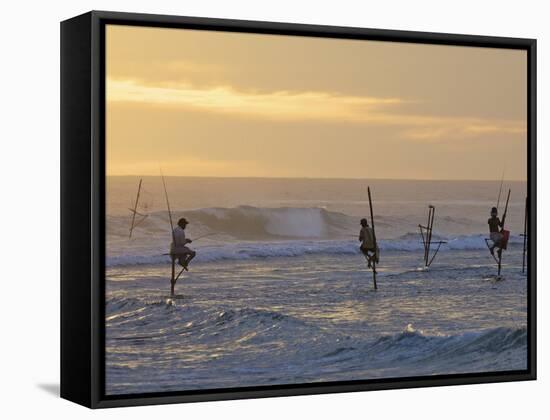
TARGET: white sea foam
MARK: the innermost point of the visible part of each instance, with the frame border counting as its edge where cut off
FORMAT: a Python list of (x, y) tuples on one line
[(296, 248)]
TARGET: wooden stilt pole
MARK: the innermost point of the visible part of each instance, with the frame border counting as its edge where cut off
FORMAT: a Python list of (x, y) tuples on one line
[(421, 228), (373, 264), (173, 257), (426, 233), (426, 243), (499, 259), (525, 235), (429, 229), (432, 211), (134, 212), (502, 228), (173, 277)]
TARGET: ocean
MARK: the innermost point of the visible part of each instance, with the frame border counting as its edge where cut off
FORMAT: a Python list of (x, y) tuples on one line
[(280, 294)]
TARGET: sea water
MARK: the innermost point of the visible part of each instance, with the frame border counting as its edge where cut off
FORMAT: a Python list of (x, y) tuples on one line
[(279, 292)]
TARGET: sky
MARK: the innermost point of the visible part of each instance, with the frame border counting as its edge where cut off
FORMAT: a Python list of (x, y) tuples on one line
[(206, 103)]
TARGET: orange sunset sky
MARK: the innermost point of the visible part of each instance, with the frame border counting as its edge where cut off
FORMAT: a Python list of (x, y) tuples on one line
[(204, 103)]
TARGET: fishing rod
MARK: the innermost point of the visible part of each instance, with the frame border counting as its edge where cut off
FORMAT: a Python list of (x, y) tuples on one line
[(205, 235), (500, 189), (505, 233), (168, 204), (196, 239), (185, 268), (505, 210)]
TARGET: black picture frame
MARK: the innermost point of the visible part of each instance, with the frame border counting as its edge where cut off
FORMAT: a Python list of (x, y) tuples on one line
[(83, 204)]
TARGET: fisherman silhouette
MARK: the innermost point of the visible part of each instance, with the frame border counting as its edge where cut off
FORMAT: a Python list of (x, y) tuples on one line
[(496, 235), (179, 248), (366, 237)]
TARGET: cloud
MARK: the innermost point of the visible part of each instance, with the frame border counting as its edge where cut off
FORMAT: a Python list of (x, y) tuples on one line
[(187, 166), (313, 105), (165, 73), (435, 129), (275, 105)]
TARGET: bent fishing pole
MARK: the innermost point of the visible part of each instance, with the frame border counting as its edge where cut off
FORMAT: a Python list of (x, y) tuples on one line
[(167, 204), (205, 236), (198, 238), (500, 189)]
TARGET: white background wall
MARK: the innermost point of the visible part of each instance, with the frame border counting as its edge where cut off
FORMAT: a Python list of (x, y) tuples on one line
[(29, 191)]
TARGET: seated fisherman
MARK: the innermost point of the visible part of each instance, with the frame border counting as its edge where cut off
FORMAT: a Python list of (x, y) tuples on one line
[(494, 230), (178, 247), (366, 237)]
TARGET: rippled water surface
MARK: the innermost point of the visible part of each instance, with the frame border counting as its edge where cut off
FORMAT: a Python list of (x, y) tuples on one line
[(280, 294), (310, 318)]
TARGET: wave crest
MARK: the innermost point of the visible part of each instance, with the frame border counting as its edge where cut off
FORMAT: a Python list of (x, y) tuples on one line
[(417, 344)]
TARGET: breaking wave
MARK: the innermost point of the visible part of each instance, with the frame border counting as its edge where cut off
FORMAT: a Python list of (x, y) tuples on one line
[(417, 344), (251, 223), (297, 248), (247, 232)]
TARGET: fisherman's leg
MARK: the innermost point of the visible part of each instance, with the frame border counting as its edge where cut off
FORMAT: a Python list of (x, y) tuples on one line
[(190, 256), (184, 260), (497, 240), (364, 252), (369, 259), (497, 245), (492, 248)]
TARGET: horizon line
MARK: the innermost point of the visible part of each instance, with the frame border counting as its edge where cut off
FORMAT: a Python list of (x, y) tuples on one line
[(316, 178)]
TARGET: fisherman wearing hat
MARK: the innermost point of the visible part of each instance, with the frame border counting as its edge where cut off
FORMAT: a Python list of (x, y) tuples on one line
[(496, 236), (178, 248)]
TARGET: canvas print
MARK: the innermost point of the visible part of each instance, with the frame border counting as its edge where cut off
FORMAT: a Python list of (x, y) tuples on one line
[(294, 210)]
